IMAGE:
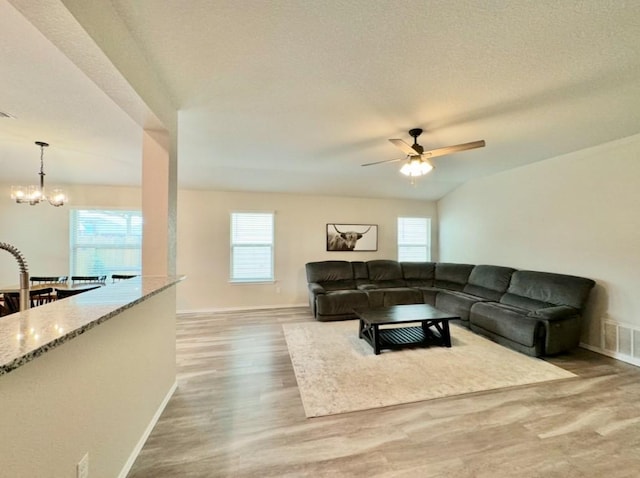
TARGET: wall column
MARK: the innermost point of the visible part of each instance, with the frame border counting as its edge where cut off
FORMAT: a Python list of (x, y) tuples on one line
[(159, 196)]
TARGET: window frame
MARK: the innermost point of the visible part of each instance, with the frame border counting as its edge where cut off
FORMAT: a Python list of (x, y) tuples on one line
[(271, 245), (426, 245), (75, 246)]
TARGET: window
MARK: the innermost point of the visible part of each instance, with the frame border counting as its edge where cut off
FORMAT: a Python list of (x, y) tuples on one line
[(414, 244), (251, 247), (104, 242)]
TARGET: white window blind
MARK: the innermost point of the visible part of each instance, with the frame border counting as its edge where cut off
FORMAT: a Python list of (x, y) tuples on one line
[(251, 247), (104, 242), (414, 239)]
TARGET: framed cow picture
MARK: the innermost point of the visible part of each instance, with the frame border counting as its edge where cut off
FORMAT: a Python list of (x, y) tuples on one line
[(352, 237)]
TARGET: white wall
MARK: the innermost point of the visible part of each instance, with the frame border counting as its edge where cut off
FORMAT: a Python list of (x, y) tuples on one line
[(300, 224), (41, 232), (576, 214)]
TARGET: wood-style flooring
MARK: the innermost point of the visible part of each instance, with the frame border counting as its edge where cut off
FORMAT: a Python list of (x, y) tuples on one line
[(237, 413)]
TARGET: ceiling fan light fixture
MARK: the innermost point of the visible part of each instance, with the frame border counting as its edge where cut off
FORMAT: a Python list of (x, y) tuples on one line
[(416, 167)]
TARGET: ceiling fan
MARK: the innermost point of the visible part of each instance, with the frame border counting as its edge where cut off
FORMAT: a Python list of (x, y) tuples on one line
[(418, 160)]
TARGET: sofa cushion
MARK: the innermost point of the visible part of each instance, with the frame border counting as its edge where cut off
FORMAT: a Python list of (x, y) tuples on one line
[(418, 273), (388, 296), (536, 290), (524, 302), (325, 271), (338, 285), (457, 303), (340, 302), (401, 295), (429, 294), (452, 276), (506, 321), (359, 270), (489, 282), (385, 273)]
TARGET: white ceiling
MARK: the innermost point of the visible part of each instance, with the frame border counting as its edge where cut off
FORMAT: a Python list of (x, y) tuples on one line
[(295, 95), (91, 139)]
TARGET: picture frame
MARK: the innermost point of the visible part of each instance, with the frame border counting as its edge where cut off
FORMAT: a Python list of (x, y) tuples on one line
[(352, 237)]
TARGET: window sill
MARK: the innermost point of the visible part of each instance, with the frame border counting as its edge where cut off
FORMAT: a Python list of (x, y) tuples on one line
[(252, 282)]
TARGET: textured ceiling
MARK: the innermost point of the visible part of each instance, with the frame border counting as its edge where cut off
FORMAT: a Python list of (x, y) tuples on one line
[(92, 140), (295, 95)]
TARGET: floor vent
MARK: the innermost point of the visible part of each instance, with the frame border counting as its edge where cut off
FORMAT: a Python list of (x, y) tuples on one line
[(619, 338)]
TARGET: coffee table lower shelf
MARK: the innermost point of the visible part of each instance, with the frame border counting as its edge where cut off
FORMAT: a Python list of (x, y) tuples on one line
[(404, 337)]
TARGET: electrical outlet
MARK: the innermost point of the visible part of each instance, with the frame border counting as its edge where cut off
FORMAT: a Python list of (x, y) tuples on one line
[(83, 467), (277, 289)]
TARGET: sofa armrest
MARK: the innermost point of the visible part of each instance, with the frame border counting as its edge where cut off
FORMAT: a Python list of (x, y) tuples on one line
[(316, 289), (562, 328), (560, 312)]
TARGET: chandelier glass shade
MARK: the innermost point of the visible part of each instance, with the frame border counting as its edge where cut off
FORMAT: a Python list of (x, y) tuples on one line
[(36, 194), (416, 166)]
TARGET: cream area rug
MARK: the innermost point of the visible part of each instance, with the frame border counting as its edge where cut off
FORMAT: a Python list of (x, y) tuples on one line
[(337, 372)]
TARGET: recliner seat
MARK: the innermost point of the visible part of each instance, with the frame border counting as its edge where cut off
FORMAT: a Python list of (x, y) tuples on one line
[(485, 284)]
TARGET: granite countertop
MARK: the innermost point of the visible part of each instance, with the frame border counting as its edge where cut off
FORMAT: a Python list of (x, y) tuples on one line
[(27, 335)]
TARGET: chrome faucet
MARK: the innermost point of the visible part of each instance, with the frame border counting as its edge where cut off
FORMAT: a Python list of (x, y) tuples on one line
[(24, 274)]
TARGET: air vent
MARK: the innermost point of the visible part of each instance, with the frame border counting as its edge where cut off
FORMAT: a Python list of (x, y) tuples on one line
[(636, 343), (610, 337), (624, 340), (621, 338)]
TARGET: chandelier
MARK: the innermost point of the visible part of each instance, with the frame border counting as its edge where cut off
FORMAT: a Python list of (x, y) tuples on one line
[(36, 194)]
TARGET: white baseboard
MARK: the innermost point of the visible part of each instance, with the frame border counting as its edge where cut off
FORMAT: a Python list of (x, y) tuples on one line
[(236, 309), (136, 450), (618, 356)]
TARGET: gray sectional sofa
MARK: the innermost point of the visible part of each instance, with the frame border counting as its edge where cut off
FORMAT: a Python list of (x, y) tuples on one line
[(537, 313)]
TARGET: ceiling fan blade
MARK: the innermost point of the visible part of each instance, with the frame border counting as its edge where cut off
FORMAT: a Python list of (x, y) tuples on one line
[(454, 149), (385, 161), (406, 149)]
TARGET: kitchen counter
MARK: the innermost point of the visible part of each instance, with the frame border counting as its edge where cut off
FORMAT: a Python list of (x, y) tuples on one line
[(27, 335), (86, 376)]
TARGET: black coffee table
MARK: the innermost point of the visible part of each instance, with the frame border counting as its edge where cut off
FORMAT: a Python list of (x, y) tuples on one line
[(433, 328)]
